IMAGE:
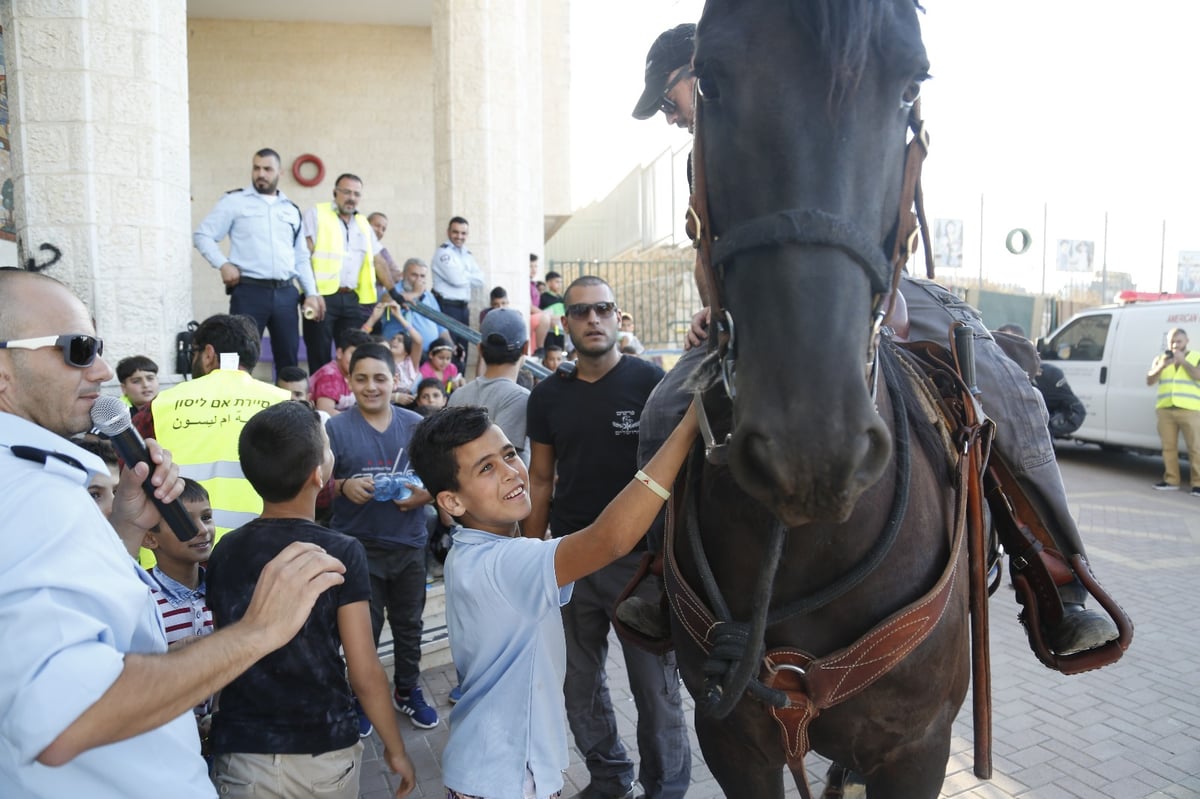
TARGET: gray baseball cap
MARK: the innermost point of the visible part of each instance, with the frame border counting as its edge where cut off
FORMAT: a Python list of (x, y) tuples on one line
[(670, 51), (504, 327)]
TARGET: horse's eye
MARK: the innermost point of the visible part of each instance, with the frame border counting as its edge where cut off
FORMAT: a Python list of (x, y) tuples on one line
[(911, 93), (706, 87)]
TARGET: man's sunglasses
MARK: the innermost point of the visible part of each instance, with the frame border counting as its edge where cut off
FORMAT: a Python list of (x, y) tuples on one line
[(666, 104), (78, 350), (582, 310)]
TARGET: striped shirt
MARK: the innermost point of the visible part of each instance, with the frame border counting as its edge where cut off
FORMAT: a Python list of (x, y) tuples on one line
[(182, 610)]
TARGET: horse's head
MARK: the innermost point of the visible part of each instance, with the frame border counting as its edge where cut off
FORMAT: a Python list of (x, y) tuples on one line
[(803, 112)]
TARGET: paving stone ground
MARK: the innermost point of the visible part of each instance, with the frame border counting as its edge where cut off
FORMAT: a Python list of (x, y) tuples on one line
[(1129, 731)]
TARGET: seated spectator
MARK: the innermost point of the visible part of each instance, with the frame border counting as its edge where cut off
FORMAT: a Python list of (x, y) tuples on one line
[(431, 396), (627, 342), (551, 304), (406, 351), (295, 380), (497, 298), (329, 387), (139, 381), (439, 365), (553, 357), (289, 722)]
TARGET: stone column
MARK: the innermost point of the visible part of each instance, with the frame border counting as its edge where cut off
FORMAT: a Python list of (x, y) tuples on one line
[(99, 128), (487, 110)]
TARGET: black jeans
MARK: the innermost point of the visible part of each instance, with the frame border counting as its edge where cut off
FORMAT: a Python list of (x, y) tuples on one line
[(398, 586)]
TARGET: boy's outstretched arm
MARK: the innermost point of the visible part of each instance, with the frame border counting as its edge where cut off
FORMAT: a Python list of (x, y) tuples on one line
[(370, 685), (154, 689), (622, 524)]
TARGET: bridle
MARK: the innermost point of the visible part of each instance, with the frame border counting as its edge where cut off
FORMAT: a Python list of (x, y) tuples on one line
[(806, 227)]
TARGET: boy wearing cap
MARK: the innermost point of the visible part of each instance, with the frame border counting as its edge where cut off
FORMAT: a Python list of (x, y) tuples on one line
[(504, 334)]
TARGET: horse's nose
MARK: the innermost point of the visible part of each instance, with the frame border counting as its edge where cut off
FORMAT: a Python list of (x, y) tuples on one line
[(812, 473)]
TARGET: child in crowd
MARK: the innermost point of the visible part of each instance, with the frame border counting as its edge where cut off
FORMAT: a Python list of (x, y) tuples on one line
[(139, 381), (406, 351), (177, 570), (627, 340), (102, 488), (295, 380), (329, 387), (503, 594), (439, 365), (431, 396), (553, 357), (497, 298), (179, 590), (289, 722)]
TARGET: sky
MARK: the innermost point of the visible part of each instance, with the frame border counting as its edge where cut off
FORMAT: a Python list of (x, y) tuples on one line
[(1062, 110)]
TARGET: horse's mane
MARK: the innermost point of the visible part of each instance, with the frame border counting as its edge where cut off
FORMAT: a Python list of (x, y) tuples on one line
[(845, 31)]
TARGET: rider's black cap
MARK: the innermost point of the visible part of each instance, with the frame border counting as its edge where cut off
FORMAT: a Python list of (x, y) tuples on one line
[(670, 51)]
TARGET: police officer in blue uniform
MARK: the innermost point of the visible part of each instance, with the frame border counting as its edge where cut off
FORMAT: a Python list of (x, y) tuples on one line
[(267, 254), (454, 274)]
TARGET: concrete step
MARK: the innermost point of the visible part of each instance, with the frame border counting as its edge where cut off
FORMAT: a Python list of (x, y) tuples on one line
[(435, 641)]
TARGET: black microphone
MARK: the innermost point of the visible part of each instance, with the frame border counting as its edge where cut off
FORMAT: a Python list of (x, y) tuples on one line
[(111, 418)]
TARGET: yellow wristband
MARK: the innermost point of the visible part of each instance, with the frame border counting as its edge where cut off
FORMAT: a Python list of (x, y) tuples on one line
[(652, 484)]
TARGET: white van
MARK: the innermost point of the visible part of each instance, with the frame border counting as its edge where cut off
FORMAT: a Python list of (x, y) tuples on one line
[(1105, 353)]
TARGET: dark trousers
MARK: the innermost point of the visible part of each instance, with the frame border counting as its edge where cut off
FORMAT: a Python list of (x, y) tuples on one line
[(342, 312), (398, 586), (274, 309), (662, 736)]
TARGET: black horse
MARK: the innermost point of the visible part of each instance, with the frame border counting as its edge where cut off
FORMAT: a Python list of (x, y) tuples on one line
[(827, 519)]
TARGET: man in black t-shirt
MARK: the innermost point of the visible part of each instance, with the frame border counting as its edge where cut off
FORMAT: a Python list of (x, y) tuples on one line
[(585, 428)]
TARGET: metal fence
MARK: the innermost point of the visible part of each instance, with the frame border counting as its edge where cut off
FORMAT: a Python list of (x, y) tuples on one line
[(661, 294)]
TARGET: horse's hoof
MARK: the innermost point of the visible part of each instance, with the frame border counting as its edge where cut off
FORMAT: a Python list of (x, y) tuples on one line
[(842, 783), (1080, 630)]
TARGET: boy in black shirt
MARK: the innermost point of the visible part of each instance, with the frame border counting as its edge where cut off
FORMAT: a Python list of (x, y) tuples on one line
[(296, 702)]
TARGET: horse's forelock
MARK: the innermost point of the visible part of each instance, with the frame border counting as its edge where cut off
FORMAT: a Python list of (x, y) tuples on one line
[(845, 31)]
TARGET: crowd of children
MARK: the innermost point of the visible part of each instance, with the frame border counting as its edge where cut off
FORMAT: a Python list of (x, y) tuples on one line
[(293, 722)]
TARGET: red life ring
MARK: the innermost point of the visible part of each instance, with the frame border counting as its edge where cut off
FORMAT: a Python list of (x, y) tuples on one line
[(308, 158)]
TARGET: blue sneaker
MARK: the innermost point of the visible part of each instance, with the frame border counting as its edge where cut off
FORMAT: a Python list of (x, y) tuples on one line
[(455, 694), (365, 727), (416, 708)]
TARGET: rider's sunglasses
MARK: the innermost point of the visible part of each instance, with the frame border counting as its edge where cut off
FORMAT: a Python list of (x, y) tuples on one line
[(582, 310), (78, 350), (665, 103)]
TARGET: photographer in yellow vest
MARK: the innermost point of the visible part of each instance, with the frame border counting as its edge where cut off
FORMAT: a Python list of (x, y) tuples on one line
[(346, 264), (203, 417), (1177, 373)]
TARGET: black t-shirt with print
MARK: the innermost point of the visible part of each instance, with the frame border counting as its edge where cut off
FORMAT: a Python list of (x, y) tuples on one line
[(593, 428), (295, 700)]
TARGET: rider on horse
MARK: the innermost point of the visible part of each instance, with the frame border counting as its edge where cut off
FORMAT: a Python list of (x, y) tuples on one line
[(1008, 397)]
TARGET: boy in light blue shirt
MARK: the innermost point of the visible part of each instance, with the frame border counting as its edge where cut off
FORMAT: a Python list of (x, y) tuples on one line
[(508, 737)]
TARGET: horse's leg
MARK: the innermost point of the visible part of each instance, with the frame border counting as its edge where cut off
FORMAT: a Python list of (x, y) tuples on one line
[(738, 759), (914, 771)]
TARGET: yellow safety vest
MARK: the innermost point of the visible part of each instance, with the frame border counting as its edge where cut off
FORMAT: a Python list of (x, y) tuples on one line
[(328, 249), (1177, 389), (199, 422)]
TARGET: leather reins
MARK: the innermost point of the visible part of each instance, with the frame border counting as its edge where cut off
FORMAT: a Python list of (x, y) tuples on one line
[(806, 227)]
